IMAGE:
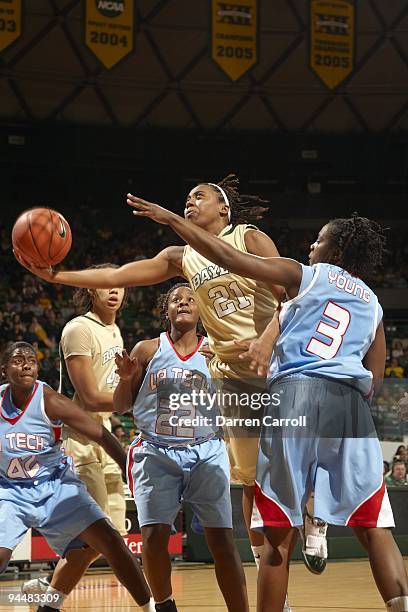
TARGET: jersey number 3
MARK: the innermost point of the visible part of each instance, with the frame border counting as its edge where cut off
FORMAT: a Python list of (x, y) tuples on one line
[(333, 332)]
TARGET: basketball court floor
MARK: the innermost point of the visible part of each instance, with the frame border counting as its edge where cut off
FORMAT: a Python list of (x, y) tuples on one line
[(345, 586)]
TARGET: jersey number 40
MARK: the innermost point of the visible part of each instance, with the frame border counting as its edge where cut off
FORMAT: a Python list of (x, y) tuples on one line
[(23, 468)]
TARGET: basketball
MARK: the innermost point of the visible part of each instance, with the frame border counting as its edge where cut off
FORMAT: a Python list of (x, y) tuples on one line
[(41, 236)]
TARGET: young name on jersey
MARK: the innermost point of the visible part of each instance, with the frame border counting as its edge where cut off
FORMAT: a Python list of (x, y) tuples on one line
[(349, 285)]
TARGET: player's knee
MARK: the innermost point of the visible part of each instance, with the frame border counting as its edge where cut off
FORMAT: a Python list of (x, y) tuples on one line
[(5, 555), (81, 557), (154, 540), (89, 555), (109, 540), (113, 536), (221, 543), (372, 536)]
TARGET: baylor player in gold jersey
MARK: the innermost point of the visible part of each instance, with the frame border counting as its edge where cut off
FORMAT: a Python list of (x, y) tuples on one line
[(232, 308), (88, 347)]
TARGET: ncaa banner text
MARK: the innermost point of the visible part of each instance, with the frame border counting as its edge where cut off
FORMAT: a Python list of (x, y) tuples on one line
[(234, 36), (332, 40), (109, 29), (10, 22)]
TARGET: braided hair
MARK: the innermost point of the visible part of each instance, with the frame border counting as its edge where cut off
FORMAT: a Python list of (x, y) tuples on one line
[(83, 298), (163, 303), (244, 208), (7, 353), (359, 244)]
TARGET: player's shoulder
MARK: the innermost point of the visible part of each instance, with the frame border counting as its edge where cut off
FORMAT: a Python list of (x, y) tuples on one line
[(79, 322), (241, 228), (145, 349), (237, 234), (78, 329)]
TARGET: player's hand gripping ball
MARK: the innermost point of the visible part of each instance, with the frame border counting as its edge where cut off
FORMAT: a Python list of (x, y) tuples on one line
[(41, 237)]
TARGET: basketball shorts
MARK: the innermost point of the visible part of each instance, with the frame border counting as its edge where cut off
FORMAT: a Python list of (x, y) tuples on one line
[(242, 444), (335, 452), (59, 508), (102, 477), (160, 477)]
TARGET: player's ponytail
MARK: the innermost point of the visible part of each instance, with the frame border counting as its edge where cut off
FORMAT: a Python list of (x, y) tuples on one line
[(358, 243), (244, 208)]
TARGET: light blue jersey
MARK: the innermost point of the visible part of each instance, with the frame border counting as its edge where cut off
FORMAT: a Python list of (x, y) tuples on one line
[(37, 487), (173, 459), (327, 328), (163, 411), (29, 442)]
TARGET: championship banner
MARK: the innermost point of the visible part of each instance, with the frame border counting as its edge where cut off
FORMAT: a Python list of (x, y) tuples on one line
[(234, 39), (109, 29), (10, 22), (332, 39)]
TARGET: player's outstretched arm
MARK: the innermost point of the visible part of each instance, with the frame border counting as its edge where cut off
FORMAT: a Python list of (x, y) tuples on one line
[(59, 407), (130, 370), (277, 270), (163, 266)]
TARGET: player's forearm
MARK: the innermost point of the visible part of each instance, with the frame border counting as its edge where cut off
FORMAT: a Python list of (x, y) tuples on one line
[(271, 332), (99, 434), (89, 279), (97, 402), (113, 447), (377, 384), (136, 273), (123, 397)]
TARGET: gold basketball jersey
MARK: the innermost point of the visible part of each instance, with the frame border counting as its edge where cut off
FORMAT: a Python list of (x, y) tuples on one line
[(231, 307), (87, 335)]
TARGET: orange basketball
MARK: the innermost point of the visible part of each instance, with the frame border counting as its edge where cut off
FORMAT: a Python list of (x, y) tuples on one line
[(41, 236)]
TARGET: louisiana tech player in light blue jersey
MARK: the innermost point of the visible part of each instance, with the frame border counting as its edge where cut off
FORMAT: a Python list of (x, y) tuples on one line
[(38, 488), (158, 410), (345, 472), (26, 456), (178, 455), (328, 327)]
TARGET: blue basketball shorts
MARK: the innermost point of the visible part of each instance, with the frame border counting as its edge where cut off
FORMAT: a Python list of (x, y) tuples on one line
[(160, 477), (337, 455), (59, 508)]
